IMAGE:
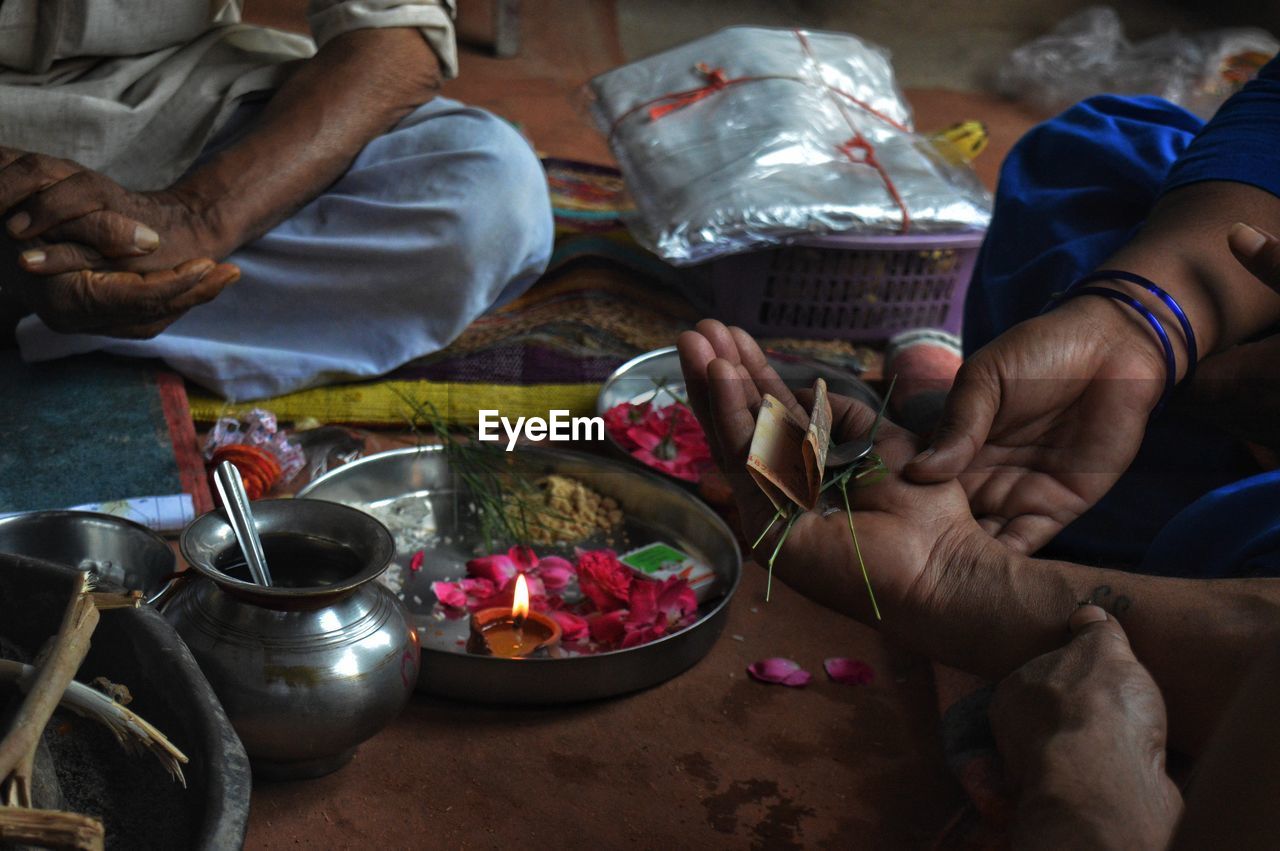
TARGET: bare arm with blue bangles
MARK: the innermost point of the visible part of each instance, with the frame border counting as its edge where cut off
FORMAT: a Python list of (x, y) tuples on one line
[(1043, 420)]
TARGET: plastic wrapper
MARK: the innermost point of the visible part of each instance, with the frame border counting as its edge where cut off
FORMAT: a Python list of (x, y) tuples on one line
[(327, 448), (1088, 54), (751, 135), (263, 453)]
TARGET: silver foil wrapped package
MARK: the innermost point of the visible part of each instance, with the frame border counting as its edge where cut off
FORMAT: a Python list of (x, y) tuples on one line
[(751, 135)]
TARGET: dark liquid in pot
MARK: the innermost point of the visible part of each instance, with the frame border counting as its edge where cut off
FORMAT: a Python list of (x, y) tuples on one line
[(295, 561)]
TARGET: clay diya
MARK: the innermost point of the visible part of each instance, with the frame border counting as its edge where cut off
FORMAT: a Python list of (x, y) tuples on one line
[(514, 633)]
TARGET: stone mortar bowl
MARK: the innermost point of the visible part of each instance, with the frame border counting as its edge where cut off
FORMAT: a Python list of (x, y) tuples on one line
[(139, 803)]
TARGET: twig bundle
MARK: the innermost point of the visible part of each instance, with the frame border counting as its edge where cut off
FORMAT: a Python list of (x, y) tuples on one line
[(61, 660), (504, 500), (50, 829)]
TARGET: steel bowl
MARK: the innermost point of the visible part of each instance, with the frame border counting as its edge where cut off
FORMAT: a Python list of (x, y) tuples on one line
[(420, 481), (120, 554)]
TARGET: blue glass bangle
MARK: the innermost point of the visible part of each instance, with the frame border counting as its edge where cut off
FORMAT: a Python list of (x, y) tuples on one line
[(1170, 364), (1188, 333)]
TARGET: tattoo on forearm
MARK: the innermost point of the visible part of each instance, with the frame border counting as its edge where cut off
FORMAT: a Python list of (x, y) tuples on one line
[(1102, 596)]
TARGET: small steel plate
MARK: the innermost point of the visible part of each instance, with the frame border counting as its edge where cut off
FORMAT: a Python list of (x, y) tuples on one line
[(418, 497), (644, 377)]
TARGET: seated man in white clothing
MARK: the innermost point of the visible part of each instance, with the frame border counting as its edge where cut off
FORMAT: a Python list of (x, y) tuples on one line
[(363, 220)]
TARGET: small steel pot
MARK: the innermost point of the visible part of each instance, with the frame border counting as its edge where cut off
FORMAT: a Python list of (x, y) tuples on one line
[(305, 673), (120, 555)]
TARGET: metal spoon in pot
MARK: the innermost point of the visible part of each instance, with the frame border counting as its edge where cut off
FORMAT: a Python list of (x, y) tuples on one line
[(226, 478)]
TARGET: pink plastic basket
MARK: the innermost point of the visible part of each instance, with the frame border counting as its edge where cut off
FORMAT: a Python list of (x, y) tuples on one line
[(860, 288)]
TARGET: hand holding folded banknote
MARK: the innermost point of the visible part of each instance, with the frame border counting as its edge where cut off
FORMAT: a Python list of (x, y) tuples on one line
[(907, 532)]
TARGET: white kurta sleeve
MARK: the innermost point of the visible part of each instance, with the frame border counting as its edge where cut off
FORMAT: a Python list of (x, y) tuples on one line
[(332, 18)]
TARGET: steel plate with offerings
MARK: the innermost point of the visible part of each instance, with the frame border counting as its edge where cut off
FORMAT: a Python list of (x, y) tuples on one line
[(607, 527)]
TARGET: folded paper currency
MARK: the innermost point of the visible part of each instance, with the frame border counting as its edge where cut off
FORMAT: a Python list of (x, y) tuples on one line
[(787, 457)]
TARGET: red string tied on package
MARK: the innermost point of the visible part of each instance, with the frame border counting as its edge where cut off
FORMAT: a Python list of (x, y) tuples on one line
[(856, 149), (861, 152), (716, 80), (865, 154)]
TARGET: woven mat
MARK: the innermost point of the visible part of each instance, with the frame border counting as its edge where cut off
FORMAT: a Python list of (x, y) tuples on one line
[(94, 429), (602, 301)]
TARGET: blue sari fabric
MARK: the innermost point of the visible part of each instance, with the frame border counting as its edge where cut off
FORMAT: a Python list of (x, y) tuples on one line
[(1072, 192)]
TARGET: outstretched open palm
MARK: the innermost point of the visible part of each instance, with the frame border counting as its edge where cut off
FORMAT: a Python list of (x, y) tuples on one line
[(907, 532), (1042, 421)]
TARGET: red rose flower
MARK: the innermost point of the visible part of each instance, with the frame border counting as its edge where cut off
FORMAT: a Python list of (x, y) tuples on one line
[(669, 439), (604, 580), (619, 418)]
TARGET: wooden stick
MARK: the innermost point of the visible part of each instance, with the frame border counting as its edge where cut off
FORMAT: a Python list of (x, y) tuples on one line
[(55, 672), (130, 728), (105, 601), (50, 829)]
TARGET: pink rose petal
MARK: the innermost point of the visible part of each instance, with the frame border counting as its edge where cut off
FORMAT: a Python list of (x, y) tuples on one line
[(669, 601), (644, 438), (642, 603), (523, 557), (450, 594), (415, 563), (781, 671), (669, 439), (620, 418), (462, 594), (573, 627), (609, 628), (555, 572), (498, 569), (799, 679), (850, 672), (476, 587), (643, 634), (677, 600)]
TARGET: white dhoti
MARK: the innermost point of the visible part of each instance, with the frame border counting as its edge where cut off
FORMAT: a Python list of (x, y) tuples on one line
[(435, 222)]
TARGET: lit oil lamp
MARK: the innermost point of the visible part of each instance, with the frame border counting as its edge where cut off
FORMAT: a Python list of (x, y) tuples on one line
[(514, 633)]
